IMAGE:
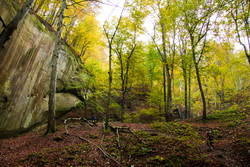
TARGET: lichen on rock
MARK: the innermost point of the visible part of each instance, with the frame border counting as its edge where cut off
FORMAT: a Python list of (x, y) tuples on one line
[(25, 69)]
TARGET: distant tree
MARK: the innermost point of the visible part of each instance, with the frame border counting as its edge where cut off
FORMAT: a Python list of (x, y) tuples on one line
[(125, 46), (12, 26), (110, 33), (164, 39), (186, 66), (197, 22), (219, 56)]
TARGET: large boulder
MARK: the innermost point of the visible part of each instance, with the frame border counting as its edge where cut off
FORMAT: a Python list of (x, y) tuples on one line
[(25, 69), (64, 102)]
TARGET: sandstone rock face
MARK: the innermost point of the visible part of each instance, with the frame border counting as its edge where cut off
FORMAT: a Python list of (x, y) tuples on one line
[(25, 69)]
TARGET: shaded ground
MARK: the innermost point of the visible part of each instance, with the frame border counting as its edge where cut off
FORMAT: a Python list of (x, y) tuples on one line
[(174, 144)]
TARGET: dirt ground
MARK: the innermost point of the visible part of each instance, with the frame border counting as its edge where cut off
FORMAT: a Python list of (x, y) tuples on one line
[(88, 146)]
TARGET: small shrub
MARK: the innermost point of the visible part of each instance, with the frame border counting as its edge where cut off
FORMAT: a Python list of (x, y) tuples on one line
[(36, 159), (156, 139), (242, 142), (181, 133), (142, 134), (148, 115), (138, 150), (93, 136), (80, 105), (230, 114), (232, 124), (175, 128), (145, 115), (175, 161), (157, 160)]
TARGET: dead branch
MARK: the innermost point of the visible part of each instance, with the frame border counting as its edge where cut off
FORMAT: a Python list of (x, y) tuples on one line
[(78, 119), (102, 150), (136, 136), (124, 130), (84, 139), (118, 138), (103, 133)]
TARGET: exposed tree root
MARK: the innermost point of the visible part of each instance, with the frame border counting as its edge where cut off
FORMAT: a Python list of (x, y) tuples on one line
[(77, 119)]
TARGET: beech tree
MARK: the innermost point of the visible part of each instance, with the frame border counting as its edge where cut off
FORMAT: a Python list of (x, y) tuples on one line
[(186, 66), (197, 21), (240, 13), (56, 53), (51, 128), (164, 38), (12, 26)]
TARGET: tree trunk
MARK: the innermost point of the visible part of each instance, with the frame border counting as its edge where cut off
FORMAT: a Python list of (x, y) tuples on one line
[(39, 6), (164, 93), (109, 88), (125, 78), (204, 111), (12, 26), (185, 88), (71, 25), (169, 96), (222, 93), (185, 65), (122, 76), (51, 128), (189, 91), (110, 42), (196, 66), (166, 80)]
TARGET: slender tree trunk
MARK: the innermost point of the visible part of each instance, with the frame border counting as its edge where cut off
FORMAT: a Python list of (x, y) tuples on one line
[(51, 128), (242, 19), (166, 79), (125, 80), (215, 98), (52, 16), (185, 88), (39, 6), (185, 68), (222, 97), (110, 42), (169, 96), (189, 90), (204, 112), (109, 88), (123, 86), (12, 26), (164, 93), (71, 25)]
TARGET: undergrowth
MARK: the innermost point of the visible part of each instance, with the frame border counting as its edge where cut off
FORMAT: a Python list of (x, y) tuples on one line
[(233, 113)]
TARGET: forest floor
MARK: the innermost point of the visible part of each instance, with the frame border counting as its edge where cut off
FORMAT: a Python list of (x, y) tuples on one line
[(180, 143)]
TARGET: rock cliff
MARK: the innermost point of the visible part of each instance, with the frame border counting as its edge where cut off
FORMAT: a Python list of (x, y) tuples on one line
[(25, 69)]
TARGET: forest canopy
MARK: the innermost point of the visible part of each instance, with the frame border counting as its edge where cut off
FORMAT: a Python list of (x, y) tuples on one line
[(156, 59)]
